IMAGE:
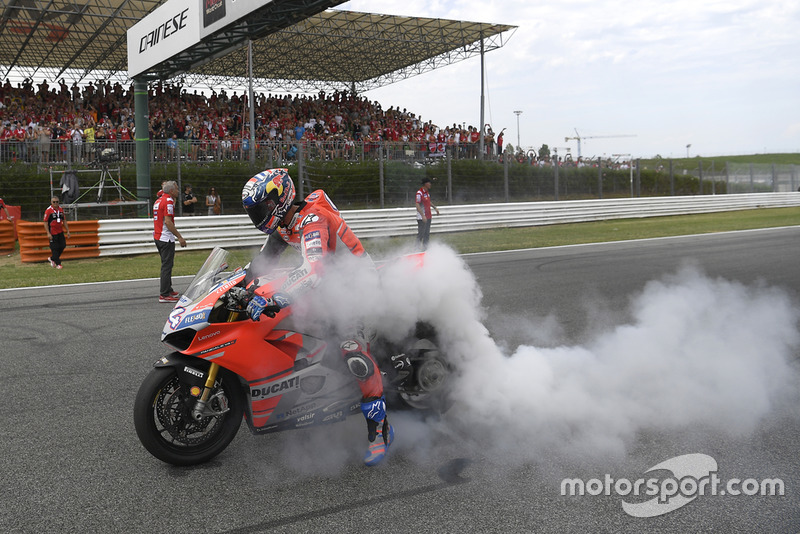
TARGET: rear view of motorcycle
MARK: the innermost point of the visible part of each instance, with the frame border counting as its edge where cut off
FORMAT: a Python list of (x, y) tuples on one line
[(275, 373)]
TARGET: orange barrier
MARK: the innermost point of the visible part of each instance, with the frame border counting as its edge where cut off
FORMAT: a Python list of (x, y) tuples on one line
[(7, 236), (35, 247), (16, 214)]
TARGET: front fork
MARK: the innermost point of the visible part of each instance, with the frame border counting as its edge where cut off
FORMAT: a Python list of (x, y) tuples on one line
[(200, 406), (199, 410)]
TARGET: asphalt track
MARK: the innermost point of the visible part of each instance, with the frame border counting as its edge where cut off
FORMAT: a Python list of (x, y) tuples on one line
[(73, 357)]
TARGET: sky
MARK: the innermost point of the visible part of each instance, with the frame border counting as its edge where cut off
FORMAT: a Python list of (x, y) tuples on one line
[(721, 76)]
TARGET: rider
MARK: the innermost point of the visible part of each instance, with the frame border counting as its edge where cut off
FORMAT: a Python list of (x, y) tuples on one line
[(316, 229)]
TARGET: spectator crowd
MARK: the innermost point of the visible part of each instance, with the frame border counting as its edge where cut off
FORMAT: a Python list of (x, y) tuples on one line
[(60, 122)]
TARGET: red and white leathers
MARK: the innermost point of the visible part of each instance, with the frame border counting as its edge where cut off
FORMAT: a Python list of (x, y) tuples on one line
[(317, 231)]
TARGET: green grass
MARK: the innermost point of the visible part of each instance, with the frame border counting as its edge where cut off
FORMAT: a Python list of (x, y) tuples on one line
[(719, 161), (14, 273)]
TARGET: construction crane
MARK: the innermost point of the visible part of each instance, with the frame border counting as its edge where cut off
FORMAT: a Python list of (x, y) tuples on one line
[(578, 138)]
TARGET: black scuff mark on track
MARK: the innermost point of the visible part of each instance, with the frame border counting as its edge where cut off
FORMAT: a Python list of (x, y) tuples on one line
[(450, 473)]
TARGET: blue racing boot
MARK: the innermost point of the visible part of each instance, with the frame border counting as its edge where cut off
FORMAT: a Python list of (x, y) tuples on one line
[(379, 432)]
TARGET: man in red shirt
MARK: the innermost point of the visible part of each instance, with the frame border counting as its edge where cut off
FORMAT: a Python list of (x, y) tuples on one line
[(164, 234), (423, 203), (18, 136), (4, 208), (54, 225)]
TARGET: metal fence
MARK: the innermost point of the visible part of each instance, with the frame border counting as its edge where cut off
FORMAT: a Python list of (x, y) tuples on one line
[(279, 152), (357, 175)]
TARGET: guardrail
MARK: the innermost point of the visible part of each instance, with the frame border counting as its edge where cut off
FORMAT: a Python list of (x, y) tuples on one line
[(135, 236)]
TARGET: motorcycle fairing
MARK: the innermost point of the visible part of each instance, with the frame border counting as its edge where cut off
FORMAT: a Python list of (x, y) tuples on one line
[(313, 391)]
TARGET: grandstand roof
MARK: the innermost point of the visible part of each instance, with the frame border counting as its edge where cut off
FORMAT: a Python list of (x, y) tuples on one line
[(298, 45)]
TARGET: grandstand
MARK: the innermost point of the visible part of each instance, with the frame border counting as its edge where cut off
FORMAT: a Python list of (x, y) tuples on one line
[(299, 45)]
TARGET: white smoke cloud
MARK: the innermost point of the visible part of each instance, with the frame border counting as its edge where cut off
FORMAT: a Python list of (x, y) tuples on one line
[(696, 352)]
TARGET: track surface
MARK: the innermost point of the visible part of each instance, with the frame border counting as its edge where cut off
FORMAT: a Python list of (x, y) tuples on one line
[(73, 357)]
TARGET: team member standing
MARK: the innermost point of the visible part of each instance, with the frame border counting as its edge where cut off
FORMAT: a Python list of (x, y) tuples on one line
[(165, 234), (4, 208), (424, 205), (55, 223)]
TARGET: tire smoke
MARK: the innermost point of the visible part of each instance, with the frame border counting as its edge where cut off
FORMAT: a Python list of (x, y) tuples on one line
[(699, 352)]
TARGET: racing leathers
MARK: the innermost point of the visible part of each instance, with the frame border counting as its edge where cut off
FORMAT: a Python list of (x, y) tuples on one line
[(317, 230)]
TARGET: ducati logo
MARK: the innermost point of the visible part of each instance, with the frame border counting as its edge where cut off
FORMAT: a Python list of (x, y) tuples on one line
[(271, 390)]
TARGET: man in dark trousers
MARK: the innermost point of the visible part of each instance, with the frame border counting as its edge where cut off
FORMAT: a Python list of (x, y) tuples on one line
[(55, 223), (424, 205), (165, 234)]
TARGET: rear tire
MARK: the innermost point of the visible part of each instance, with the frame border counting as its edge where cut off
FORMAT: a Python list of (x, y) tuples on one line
[(165, 426), (431, 379)]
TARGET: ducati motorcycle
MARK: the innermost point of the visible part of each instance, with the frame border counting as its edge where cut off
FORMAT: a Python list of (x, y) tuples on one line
[(226, 367)]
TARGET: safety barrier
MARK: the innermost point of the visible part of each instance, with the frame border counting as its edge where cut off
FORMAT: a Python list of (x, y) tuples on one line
[(34, 246), (7, 236), (135, 236)]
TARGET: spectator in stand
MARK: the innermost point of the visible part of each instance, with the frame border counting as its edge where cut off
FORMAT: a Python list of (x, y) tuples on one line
[(488, 140), (44, 142), (164, 235), (5, 141), (56, 135), (299, 131), (55, 223), (172, 147), (213, 202), (89, 145), (29, 147), (500, 142), (474, 139), (76, 137), (18, 135)]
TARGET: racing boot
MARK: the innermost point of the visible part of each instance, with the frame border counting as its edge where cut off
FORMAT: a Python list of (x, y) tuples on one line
[(379, 432)]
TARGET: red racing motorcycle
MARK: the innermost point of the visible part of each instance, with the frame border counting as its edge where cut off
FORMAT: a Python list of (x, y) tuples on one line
[(226, 367)]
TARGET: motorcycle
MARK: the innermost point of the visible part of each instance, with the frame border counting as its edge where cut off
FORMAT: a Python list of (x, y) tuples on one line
[(226, 366)]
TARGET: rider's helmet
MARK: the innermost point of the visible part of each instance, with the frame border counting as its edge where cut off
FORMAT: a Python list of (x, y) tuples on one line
[(267, 197)]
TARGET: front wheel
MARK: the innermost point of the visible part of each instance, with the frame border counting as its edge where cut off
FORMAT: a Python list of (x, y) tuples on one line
[(162, 415)]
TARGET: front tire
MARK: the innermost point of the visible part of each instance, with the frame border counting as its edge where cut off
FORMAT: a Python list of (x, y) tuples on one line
[(165, 426)]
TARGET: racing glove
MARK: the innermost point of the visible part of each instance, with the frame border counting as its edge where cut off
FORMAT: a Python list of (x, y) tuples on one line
[(266, 305)]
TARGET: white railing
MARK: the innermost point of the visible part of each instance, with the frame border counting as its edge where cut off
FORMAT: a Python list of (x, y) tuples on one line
[(135, 236)]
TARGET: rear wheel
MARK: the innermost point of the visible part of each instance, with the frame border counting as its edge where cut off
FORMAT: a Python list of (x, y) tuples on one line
[(427, 388), (164, 423)]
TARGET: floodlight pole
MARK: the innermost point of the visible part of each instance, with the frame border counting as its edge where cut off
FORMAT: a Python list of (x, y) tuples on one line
[(252, 103), (142, 141), (483, 84), (518, 113)]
